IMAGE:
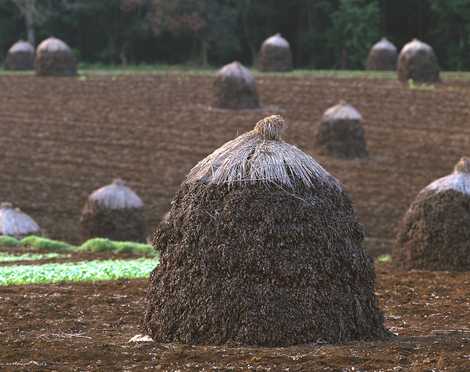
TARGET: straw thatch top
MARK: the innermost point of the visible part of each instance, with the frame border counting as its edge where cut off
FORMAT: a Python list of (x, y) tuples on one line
[(458, 181), (236, 70), (53, 44), (13, 222), (21, 46), (278, 41), (384, 44), (342, 111), (416, 45), (116, 196), (260, 156)]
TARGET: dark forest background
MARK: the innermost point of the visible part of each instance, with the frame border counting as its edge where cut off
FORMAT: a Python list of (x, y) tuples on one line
[(324, 34)]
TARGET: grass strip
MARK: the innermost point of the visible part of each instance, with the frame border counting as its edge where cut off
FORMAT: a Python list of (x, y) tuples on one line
[(6, 257), (88, 271)]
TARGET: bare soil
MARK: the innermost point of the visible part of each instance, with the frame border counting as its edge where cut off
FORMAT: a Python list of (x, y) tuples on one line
[(78, 327), (68, 136)]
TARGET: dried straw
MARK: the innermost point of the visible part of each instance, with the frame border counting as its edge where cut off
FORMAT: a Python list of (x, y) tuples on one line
[(116, 196), (13, 222)]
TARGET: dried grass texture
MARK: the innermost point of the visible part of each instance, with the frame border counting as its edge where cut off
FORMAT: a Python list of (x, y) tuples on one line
[(235, 88), (55, 58), (261, 263), (13, 222), (114, 212), (20, 56), (341, 134), (434, 233), (418, 62), (383, 56), (275, 55)]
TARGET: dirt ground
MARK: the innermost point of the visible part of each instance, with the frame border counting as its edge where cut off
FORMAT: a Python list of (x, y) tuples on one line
[(67, 137), (87, 327)]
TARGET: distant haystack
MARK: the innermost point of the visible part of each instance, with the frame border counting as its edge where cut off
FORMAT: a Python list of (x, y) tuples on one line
[(383, 56), (55, 58), (235, 88), (275, 55), (418, 62), (261, 247), (341, 133), (114, 212), (20, 56), (15, 223), (434, 234)]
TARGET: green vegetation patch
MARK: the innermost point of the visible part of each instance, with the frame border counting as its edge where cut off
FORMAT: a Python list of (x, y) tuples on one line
[(384, 258), (46, 244), (106, 245), (6, 257), (77, 272), (8, 241)]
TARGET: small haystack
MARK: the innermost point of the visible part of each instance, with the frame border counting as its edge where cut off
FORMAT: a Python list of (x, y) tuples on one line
[(20, 56), (434, 233), (341, 134), (261, 247), (13, 222), (418, 62), (275, 55), (235, 88), (383, 56), (55, 58), (114, 212)]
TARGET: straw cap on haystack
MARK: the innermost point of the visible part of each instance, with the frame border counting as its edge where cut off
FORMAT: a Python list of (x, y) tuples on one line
[(275, 55), (235, 87), (341, 134), (382, 56), (55, 58), (434, 233), (20, 56), (13, 222), (418, 62), (114, 212), (261, 247)]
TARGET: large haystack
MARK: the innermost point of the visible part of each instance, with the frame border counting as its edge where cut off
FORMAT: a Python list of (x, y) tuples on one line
[(20, 56), (235, 88), (55, 58), (383, 56), (13, 222), (261, 247), (114, 212), (275, 55), (341, 134), (434, 233), (418, 62)]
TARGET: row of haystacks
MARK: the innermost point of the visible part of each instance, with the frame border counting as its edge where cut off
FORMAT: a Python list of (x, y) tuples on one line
[(52, 58), (114, 212)]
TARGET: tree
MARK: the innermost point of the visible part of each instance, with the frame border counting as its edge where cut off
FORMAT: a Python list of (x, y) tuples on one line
[(34, 13)]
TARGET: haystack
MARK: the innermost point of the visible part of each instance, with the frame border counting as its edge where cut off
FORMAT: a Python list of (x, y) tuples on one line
[(341, 133), (434, 233), (13, 222), (383, 56), (55, 58), (275, 55), (20, 56), (114, 212), (261, 247), (235, 88), (418, 62)]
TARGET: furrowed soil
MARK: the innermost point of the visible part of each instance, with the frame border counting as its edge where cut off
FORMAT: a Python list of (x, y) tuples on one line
[(64, 137), (87, 327)]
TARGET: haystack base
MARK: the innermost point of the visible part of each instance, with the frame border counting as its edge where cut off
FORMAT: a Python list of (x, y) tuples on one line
[(234, 269), (19, 61), (421, 68), (115, 224), (234, 94), (275, 59), (59, 63), (382, 60), (342, 139), (434, 233)]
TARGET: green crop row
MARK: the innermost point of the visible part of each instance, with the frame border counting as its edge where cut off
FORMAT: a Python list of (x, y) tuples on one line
[(6, 257), (88, 271)]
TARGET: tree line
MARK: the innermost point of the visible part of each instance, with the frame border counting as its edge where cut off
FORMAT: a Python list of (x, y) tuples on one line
[(324, 34)]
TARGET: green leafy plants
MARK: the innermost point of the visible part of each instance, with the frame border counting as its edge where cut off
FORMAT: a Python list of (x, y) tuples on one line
[(46, 244), (6, 257), (77, 271), (8, 241), (106, 245)]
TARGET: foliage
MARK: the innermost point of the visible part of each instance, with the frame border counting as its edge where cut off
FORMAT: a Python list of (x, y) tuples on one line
[(76, 271), (45, 244), (6, 257), (9, 241), (384, 259), (106, 245)]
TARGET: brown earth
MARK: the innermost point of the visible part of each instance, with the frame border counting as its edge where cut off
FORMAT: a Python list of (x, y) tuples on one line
[(78, 327), (64, 137)]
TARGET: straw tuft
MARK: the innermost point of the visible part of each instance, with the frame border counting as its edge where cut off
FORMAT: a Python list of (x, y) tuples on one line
[(458, 181), (260, 156), (463, 166)]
